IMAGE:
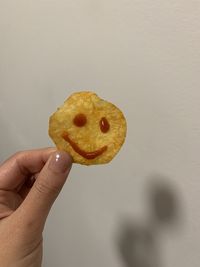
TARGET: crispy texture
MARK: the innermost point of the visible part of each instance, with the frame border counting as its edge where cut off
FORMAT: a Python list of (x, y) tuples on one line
[(89, 137)]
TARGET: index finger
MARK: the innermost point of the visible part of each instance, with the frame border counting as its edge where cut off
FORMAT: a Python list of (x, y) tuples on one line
[(14, 171)]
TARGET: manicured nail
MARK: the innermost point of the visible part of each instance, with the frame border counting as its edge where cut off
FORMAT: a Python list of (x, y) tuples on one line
[(60, 162)]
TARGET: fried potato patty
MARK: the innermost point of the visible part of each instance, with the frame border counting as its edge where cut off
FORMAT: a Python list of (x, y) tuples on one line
[(89, 128)]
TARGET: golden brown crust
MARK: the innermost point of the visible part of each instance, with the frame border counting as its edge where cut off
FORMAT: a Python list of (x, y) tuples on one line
[(88, 138)]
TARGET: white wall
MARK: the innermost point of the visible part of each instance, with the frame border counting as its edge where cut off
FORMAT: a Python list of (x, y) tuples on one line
[(145, 57)]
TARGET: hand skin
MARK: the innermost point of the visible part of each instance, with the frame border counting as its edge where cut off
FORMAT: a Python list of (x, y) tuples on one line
[(25, 203)]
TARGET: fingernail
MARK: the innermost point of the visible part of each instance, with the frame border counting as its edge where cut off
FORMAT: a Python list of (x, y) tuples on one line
[(60, 162)]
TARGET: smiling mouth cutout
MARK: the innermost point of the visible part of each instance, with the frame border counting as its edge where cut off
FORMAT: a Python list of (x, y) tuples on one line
[(81, 152)]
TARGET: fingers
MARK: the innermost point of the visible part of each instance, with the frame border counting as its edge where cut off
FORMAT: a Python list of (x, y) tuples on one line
[(45, 190), (14, 171), (9, 202)]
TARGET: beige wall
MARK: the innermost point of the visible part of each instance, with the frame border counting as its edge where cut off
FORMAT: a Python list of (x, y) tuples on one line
[(144, 56)]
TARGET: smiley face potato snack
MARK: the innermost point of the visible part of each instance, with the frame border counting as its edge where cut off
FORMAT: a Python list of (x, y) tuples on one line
[(90, 129)]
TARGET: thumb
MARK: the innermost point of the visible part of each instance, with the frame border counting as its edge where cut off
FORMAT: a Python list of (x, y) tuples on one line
[(46, 188)]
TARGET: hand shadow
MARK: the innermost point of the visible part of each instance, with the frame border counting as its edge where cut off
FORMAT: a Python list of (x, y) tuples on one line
[(137, 243)]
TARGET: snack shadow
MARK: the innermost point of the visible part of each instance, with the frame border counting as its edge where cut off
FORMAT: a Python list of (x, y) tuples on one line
[(138, 243)]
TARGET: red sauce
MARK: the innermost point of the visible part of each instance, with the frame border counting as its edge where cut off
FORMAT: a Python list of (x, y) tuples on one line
[(80, 120), (104, 125), (84, 154)]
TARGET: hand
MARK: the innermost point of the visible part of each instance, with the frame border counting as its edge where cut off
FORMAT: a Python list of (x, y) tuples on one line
[(30, 181)]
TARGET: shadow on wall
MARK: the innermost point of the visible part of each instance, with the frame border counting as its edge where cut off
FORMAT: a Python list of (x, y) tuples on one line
[(137, 243)]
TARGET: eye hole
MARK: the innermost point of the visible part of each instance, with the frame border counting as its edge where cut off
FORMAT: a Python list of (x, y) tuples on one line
[(80, 120), (104, 125)]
